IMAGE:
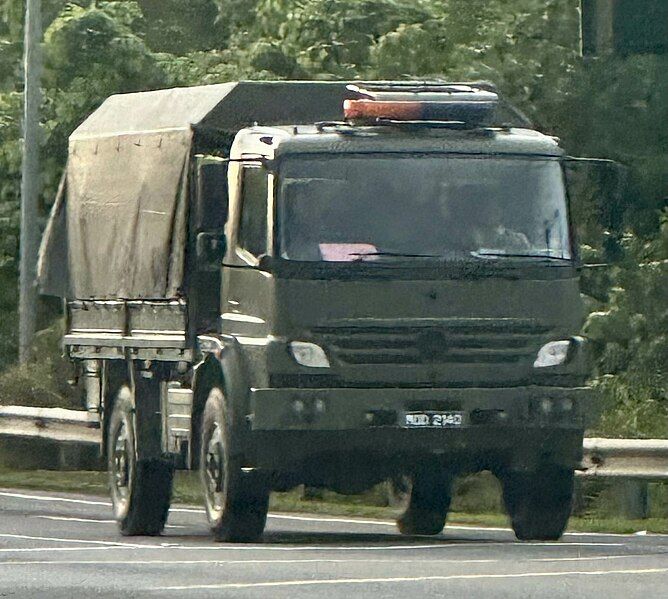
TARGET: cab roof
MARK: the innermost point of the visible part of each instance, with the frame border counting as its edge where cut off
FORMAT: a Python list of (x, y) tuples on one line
[(273, 142)]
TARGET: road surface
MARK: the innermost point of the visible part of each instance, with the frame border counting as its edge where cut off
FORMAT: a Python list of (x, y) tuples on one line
[(60, 545)]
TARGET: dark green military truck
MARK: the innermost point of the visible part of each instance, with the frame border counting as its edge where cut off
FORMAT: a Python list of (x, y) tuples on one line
[(285, 283)]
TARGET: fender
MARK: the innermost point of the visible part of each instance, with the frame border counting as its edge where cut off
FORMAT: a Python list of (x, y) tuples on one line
[(223, 364)]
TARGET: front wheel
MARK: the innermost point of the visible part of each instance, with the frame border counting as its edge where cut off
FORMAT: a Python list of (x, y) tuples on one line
[(539, 503), (236, 501), (429, 503), (140, 488)]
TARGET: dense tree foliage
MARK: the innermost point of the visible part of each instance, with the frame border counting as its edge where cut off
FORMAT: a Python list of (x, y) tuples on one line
[(609, 107)]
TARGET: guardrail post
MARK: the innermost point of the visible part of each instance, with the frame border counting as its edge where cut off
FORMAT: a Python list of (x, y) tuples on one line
[(311, 493), (634, 499), (69, 456), (579, 500)]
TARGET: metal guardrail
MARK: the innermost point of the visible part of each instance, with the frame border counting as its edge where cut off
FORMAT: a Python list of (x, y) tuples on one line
[(57, 424), (642, 459), (638, 459)]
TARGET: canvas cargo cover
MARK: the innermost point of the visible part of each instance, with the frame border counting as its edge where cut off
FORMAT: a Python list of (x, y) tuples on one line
[(118, 227)]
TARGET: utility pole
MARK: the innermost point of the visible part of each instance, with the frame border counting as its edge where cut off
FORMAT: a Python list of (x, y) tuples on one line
[(30, 177)]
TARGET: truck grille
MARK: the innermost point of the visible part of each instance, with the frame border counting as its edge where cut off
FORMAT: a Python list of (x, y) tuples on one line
[(464, 341)]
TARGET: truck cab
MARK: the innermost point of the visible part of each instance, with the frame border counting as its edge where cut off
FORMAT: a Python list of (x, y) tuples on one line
[(387, 258), (391, 293)]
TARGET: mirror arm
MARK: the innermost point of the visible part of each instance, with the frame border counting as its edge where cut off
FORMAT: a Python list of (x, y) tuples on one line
[(606, 161)]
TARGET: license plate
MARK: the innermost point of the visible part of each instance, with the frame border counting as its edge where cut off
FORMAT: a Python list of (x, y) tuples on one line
[(434, 419)]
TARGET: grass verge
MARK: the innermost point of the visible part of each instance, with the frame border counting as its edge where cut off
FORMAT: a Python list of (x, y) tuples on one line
[(186, 490)]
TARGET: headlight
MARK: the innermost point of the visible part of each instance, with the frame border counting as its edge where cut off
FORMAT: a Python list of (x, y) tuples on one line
[(309, 354), (552, 354)]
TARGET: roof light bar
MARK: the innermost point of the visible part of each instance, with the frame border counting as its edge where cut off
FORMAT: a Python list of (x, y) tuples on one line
[(472, 113), (471, 105), (372, 109), (370, 88)]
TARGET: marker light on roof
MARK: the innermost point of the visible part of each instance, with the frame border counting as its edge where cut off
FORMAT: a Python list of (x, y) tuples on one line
[(372, 109), (472, 113)]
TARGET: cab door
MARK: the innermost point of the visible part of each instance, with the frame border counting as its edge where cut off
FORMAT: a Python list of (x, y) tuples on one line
[(247, 291)]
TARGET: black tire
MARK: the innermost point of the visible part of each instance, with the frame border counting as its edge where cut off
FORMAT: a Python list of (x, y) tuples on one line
[(430, 498), (140, 489), (539, 503), (236, 501)]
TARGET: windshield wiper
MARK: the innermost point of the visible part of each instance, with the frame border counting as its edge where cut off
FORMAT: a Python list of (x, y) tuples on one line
[(484, 254), (394, 255)]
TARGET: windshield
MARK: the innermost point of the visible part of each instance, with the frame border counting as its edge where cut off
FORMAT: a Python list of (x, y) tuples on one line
[(368, 207)]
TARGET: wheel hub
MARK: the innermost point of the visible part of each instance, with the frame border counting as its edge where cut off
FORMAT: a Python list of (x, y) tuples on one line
[(121, 470), (215, 469)]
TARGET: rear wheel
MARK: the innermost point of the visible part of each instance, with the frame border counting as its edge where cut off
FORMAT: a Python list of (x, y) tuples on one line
[(430, 497), (236, 501), (140, 488), (539, 503), (398, 489)]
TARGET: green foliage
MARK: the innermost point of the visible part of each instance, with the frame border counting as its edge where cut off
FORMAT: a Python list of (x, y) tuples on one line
[(10, 167), (631, 339), (99, 46), (333, 36), (42, 383), (635, 405), (632, 345), (182, 26)]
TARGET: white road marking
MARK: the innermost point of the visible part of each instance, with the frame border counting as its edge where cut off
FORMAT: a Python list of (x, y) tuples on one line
[(305, 518), (595, 558), (236, 562), (52, 549), (91, 520), (336, 581), (79, 541), (607, 534), (186, 510), (567, 534), (379, 522), (239, 548), (69, 519), (335, 520), (292, 548), (54, 499), (392, 524), (407, 547), (375, 522), (471, 527)]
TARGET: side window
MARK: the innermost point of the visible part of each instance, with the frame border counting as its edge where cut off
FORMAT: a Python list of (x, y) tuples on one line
[(253, 224)]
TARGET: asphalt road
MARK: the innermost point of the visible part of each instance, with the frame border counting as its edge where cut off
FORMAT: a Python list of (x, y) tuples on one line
[(57, 545)]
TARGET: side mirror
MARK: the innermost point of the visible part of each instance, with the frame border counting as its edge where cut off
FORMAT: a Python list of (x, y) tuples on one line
[(597, 189), (210, 249), (211, 202)]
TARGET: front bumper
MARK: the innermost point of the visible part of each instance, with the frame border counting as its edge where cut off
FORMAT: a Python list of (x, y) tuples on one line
[(374, 409)]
